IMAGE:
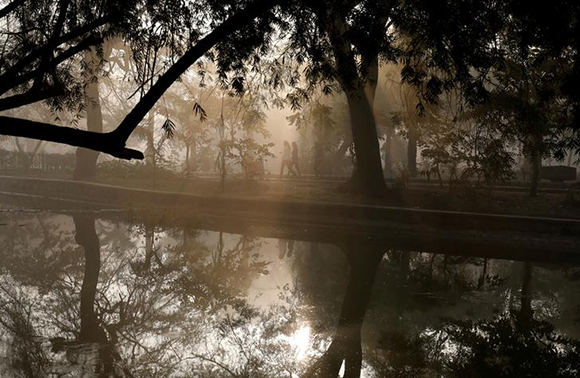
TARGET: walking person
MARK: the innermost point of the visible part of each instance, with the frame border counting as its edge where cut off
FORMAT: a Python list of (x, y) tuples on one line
[(294, 161), (286, 159)]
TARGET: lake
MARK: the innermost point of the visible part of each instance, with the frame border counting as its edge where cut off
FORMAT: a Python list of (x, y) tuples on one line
[(92, 294)]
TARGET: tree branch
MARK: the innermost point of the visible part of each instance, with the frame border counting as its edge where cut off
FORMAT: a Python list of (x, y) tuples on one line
[(67, 54), (232, 24), (103, 142), (49, 53), (32, 56), (10, 7), (29, 97), (113, 143)]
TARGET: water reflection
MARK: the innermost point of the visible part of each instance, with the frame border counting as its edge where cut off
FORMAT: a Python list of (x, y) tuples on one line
[(88, 297), (346, 342)]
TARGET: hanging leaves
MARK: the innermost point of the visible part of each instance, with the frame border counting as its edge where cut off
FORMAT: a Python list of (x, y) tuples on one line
[(199, 111), (169, 128)]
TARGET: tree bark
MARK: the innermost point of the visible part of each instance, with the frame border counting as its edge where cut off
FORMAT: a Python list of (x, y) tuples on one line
[(86, 160), (388, 159), (105, 142), (536, 168), (359, 87), (412, 151), (368, 176)]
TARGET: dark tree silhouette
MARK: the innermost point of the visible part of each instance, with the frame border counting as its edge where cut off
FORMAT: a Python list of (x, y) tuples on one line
[(346, 343), (114, 142)]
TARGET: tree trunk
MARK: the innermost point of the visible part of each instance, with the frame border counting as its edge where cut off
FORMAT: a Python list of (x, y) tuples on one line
[(412, 151), (149, 247), (368, 175), (526, 313), (86, 160), (536, 167), (86, 236), (187, 164), (359, 85), (388, 159)]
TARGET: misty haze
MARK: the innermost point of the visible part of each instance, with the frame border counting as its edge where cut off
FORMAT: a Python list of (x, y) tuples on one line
[(299, 189)]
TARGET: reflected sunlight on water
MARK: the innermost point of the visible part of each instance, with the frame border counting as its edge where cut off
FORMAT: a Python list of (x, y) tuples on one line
[(300, 341)]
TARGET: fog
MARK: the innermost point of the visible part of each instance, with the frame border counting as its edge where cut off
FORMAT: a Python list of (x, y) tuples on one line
[(260, 188)]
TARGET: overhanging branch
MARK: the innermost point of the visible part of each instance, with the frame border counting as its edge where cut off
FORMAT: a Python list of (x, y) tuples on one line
[(29, 97), (232, 24), (35, 54), (67, 54), (10, 7), (113, 143), (103, 142)]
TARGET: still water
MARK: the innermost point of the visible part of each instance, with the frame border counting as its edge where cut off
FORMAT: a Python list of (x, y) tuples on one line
[(83, 295)]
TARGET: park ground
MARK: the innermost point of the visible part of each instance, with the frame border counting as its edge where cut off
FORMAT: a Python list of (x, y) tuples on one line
[(559, 201), (553, 200)]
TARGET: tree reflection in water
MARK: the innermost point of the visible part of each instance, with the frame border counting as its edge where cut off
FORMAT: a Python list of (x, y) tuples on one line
[(514, 344), (346, 343), (98, 298)]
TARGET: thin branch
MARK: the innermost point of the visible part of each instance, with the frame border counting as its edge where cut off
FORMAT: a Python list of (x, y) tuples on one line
[(232, 24), (29, 97), (67, 54), (32, 56), (10, 7)]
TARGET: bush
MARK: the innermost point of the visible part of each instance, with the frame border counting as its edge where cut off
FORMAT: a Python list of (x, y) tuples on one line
[(128, 170)]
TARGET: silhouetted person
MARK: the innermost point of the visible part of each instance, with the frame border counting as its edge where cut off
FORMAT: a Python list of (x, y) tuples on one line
[(286, 158), (294, 161), (282, 246), (290, 248), (285, 247)]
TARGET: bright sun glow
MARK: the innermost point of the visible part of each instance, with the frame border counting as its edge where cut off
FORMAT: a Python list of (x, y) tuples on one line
[(300, 341)]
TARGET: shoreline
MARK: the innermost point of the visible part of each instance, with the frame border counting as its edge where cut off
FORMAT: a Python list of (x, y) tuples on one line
[(465, 233)]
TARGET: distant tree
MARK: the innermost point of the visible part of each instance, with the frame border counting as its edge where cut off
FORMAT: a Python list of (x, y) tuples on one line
[(321, 123), (525, 56), (526, 105)]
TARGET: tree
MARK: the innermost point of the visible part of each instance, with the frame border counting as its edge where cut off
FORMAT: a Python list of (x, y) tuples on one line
[(86, 160), (442, 45), (233, 17), (527, 104), (489, 46), (343, 41)]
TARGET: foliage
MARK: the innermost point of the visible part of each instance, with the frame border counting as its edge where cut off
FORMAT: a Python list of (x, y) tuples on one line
[(249, 155), (323, 121), (26, 355), (37, 162), (128, 170), (502, 348), (403, 177)]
